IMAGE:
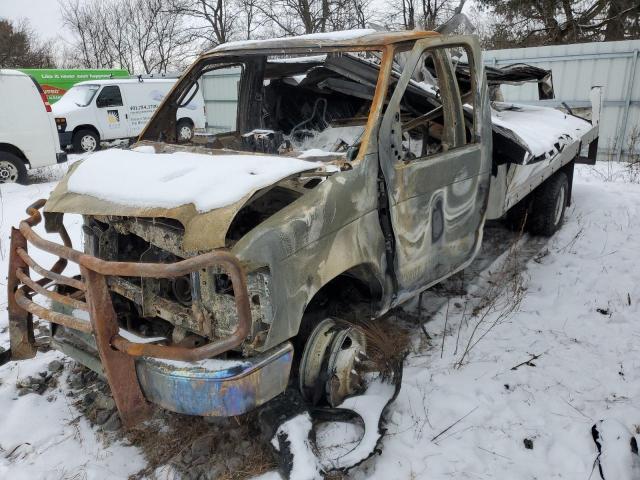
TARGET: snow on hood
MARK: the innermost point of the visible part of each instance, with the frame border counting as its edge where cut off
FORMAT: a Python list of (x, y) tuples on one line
[(168, 180), (540, 128)]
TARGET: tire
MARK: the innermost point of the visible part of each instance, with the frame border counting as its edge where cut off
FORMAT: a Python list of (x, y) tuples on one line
[(549, 205), (184, 131), (86, 141), (12, 169)]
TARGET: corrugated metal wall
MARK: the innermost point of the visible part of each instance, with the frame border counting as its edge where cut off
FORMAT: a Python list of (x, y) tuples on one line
[(578, 67), (220, 91)]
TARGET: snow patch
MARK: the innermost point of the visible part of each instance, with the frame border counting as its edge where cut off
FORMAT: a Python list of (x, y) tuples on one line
[(539, 128), (369, 407), (210, 364), (169, 180), (295, 432), (316, 152), (132, 337), (320, 37)]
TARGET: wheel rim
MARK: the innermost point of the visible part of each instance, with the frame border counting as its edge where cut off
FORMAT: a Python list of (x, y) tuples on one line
[(88, 143), (8, 172), (329, 366), (185, 132), (559, 206)]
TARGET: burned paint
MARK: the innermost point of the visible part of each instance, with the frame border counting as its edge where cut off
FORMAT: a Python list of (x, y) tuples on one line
[(220, 390)]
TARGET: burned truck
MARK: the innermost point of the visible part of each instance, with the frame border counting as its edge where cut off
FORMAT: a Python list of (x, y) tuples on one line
[(360, 170)]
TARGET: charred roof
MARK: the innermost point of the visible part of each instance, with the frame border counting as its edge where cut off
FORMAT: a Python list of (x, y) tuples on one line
[(364, 38)]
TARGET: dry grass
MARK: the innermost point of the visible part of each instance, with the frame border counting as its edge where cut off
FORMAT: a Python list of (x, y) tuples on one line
[(385, 351), (160, 445), (165, 439), (496, 303)]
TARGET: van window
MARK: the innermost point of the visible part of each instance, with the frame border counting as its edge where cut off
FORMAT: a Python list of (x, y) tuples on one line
[(79, 95), (109, 97)]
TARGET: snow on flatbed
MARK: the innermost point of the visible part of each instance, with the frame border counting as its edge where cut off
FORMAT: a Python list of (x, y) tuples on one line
[(540, 128), (588, 367)]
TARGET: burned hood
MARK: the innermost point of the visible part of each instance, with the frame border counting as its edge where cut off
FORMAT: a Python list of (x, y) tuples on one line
[(203, 192)]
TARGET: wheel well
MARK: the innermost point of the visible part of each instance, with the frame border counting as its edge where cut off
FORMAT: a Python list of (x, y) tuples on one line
[(86, 127), (185, 119), (7, 147), (354, 291), (346, 291)]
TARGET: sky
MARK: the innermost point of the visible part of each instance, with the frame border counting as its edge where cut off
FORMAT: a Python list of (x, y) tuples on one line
[(43, 15)]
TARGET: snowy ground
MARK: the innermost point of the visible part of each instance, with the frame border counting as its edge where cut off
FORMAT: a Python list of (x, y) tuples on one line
[(570, 302)]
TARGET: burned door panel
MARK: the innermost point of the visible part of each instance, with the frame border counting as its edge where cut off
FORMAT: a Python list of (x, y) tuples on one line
[(436, 169)]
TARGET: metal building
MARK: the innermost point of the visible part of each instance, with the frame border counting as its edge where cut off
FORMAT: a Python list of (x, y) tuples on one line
[(220, 91), (578, 67)]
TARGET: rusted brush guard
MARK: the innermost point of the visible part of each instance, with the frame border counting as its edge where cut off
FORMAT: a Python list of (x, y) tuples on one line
[(91, 294)]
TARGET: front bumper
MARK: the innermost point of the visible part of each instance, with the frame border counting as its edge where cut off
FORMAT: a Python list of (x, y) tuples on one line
[(220, 388), (216, 388), (137, 372)]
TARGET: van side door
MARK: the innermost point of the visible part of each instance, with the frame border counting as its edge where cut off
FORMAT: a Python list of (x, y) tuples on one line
[(435, 155), (111, 113)]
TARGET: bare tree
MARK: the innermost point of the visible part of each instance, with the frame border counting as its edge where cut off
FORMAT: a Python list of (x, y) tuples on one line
[(294, 17), (213, 21), (547, 22), (424, 14), (350, 14), (20, 47), (138, 35)]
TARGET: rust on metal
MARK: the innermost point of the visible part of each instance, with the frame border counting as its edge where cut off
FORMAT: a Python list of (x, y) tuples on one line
[(60, 279), (119, 368), (20, 320), (22, 299), (116, 353), (38, 288)]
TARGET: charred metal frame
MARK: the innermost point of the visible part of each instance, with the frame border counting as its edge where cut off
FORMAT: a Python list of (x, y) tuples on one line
[(92, 294)]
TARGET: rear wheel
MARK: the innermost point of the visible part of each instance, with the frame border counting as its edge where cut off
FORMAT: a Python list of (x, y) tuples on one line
[(549, 205), (12, 169), (86, 141)]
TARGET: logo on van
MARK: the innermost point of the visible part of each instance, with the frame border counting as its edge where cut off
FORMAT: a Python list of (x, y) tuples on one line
[(113, 117)]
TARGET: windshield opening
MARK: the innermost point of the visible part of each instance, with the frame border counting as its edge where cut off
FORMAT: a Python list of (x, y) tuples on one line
[(79, 95), (307, 106)]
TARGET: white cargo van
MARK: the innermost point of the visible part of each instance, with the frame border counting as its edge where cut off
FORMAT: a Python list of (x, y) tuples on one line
[(104, 110), (27, 131)]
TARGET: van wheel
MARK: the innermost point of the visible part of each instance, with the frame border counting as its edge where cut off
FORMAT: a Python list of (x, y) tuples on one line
[(549, 205), (184, 131), (12, 169), (86, 141)]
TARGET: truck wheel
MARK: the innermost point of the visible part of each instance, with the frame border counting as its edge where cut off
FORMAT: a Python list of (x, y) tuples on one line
[(184, 131), (86, 141), (12, 169), (549, 204)]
